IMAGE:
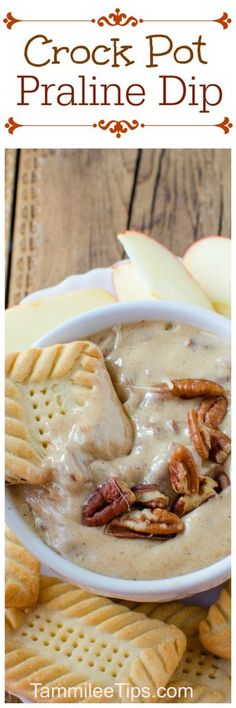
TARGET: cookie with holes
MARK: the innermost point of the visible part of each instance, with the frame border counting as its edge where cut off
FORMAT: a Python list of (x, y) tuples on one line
[(215, 629), (22, 574), (200, 677), (51, 392), (73, 637), (185, 617)]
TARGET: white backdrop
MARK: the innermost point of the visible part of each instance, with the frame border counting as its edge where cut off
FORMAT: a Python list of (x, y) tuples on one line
[(218, 53)]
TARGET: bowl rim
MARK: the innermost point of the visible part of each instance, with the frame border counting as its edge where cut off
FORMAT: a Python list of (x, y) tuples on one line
[(164, 588)]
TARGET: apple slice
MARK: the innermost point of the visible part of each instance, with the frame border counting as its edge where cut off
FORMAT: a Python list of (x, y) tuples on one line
[(26, 323), (127, 283), (162, 274), (209, 261)]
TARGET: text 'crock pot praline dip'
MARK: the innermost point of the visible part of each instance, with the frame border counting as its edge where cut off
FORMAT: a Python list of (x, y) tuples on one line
[(134, 453)]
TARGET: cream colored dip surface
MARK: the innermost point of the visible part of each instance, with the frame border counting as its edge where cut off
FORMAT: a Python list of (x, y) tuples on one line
[(137, 356)]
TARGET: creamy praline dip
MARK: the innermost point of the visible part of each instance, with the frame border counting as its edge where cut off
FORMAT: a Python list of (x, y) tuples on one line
[(139, 356)]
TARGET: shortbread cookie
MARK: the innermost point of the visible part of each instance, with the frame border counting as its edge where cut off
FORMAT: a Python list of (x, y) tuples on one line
[(22, 574), (14, 617), (51, 391), (215, 629), (206, 677), (185, 617), (74, 638)]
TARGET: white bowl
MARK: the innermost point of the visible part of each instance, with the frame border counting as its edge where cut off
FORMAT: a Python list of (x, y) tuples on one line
[(140, 590)]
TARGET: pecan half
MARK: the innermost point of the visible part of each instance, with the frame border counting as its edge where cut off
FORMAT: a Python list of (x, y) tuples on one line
[(108, 501), (212, 411), (220, 446), (208, 441), (149, 495), (187, 503), (223, 481), (183, 472), (198, 435), (191, 388), (146, 523)]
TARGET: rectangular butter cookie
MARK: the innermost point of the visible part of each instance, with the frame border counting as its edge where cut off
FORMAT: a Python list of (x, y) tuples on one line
[(22, 574), (73, 637), (185, 617), (207, 676), (14, 617), (215, 629), (200, 677), (49, 391)]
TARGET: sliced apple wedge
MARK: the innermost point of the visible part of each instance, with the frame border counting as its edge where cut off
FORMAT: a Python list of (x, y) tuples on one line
[(26, 323), (162, 274), (209, 261), (127, 284)]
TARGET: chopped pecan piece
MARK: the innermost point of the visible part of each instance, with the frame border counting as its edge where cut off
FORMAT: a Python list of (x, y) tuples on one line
[(223, 481), (149, 495), (183, 472), (208, 441), (212, 411), (198, 436), (146, 523), (191, 388), (108, 501), (173, 425), (187, 503), (220, 446)]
